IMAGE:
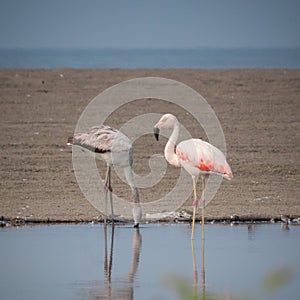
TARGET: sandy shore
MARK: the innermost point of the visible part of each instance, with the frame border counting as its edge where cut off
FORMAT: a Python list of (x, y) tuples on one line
[(259, 111)]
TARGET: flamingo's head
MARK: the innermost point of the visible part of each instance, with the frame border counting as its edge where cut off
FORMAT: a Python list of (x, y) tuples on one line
[(166, 121), (137, 214)]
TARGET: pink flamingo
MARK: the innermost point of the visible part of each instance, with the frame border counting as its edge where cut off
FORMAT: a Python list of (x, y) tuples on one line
[(197, 157), (113, 147)]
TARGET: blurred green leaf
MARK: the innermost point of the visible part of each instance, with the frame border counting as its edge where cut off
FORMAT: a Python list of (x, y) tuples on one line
[(185, 291), (276, 279)]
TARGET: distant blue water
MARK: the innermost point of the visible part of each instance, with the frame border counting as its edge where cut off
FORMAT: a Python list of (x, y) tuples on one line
[(151, 58)]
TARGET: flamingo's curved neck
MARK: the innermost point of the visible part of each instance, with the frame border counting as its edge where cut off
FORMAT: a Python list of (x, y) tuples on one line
[(131, 181), (137, 210), (170, 154)]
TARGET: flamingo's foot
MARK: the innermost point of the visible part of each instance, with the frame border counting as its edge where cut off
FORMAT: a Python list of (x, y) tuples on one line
[(195, 203)]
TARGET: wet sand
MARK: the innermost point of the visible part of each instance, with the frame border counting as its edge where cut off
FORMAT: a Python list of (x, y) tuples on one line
[(258, 109)]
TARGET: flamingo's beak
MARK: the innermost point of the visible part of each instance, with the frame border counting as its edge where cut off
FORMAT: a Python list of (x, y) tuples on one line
[(156, 133)]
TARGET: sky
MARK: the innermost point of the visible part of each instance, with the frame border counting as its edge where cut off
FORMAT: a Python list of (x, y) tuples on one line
[(149, 24)]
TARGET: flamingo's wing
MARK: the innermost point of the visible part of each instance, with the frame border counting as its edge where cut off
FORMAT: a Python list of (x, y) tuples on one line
[(103, 139), (204, 156)]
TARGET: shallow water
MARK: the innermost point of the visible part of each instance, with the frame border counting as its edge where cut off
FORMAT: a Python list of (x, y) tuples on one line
[(91, 262)]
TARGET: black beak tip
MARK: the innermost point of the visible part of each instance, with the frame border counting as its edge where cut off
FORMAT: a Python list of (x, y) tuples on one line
[(136, 225), (156, 133)]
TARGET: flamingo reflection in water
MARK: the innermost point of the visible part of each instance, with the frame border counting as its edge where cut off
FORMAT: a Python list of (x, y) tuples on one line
[(127, 289), (195, 272)]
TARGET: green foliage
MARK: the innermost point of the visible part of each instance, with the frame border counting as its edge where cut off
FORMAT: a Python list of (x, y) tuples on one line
[(185, 291), (276, 279)]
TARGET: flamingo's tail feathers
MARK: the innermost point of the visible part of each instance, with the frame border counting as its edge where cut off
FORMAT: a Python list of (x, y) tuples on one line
[(228, 176), (70, 140), (228, 173)]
